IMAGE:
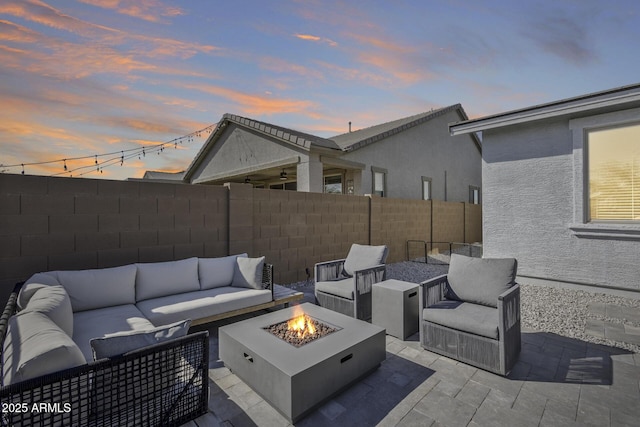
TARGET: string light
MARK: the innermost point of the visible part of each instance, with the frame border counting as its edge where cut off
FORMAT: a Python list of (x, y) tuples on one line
[(120, 157)]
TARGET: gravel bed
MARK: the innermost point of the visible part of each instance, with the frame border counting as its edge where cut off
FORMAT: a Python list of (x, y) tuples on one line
[(547, 309)]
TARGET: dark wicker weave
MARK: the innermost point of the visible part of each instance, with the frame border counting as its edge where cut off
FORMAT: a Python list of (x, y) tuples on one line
[(496, 356), (360, 306), (160, 385)]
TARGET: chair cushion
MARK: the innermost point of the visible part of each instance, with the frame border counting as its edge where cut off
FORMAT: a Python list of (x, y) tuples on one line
[(118, 344), (472, 318), (105, 287), (361, 257), (248, 273), (217, 272), (105, 322), (36, 346), (201, 304), (158, 279), (54, 302), (342, 287), (33, 283), (480, 280)]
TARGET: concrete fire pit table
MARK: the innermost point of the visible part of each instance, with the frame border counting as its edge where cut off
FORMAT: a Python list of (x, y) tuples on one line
[(294, 380)]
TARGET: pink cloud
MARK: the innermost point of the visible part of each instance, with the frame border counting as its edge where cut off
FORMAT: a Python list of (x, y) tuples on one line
[(148, 10), (317, 39)]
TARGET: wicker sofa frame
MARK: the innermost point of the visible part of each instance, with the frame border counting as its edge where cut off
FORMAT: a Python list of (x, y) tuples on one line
[(360, 306), (160, 385), (497, 356)]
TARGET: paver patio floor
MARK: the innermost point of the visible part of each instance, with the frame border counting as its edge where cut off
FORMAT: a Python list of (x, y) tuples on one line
[(558, 381)]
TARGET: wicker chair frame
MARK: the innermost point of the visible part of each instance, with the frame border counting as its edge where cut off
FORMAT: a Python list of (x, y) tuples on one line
[(497, 356), (360, 306)]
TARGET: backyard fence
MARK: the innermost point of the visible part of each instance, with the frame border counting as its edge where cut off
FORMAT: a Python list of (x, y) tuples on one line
[(56, 223)]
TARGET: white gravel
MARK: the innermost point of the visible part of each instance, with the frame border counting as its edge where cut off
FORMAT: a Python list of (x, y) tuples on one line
[(560, 311)]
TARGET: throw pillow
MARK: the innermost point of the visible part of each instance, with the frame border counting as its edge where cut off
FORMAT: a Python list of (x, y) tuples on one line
[(119, 344), (248, 273)]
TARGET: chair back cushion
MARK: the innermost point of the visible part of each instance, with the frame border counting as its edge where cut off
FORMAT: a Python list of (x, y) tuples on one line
[(158, 279), (104, 287), (217, 272), (361, 257), (480, 280)]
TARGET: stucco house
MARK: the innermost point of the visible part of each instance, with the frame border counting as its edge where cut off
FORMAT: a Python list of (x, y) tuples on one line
[(411, 158), (561, 189)]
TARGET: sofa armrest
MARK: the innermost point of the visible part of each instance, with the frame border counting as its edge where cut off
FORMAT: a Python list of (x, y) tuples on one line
[(433, 290), (267, 277), (9, 310), (328, 270), (364, 279), (170, 382), (509, 308)]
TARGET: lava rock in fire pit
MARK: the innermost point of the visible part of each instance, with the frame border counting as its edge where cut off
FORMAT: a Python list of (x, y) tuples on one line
[(310, 331)]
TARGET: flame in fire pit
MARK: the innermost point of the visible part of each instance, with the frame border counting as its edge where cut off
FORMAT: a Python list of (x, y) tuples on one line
[(301, 324)]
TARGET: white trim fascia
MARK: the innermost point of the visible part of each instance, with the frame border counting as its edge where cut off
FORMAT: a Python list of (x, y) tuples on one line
[(342, 163), (249, 170), (543, 112)]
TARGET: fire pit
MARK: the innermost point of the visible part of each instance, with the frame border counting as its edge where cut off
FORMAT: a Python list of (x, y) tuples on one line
[(301, 329), (296, 375)]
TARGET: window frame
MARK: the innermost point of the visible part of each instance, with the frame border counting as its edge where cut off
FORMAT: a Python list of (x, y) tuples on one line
[(324, 183), (582, 226), (374, 171), (429, 182)]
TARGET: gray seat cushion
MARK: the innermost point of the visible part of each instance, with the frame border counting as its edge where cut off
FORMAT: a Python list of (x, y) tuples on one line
[(201, 304), (342, 287), (480, 280), (472, 318)]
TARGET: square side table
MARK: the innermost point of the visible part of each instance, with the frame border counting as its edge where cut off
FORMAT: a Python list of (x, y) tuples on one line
[(395, 307)]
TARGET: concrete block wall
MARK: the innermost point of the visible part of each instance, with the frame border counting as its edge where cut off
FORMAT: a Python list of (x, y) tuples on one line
[(394, 221), (54, 223)]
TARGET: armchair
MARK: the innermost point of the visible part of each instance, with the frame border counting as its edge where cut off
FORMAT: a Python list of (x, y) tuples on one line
[(344, 285), (472, 314)]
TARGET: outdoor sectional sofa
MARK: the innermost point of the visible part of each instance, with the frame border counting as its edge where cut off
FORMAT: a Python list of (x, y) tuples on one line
[(110, 346)]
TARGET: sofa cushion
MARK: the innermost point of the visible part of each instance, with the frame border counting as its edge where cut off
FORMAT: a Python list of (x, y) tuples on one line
[(472, 318), (248, 273), (342, 288), (118, 344), (217, 272), (105, 322), (104, 287), (480, 280), (54, 302), (158, 279), (33, 283), (201, 304), (36, 346), (361, 257)]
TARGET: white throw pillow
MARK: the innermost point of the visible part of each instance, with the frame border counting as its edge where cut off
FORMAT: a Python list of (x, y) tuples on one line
[(34, 283), (36, 346), (159, 279), (98, 288), (217, 272), (118, 344), (54, 302), (248, 273)]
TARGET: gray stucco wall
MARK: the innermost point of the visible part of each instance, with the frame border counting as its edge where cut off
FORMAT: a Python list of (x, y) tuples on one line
[(528, 209), (424, 150), (242, 149)]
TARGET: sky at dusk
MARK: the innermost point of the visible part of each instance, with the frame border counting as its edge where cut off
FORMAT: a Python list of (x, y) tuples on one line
[(89, 77)]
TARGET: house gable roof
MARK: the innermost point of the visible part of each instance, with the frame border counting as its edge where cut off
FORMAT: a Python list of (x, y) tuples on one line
[(604, 101), (357, 139)]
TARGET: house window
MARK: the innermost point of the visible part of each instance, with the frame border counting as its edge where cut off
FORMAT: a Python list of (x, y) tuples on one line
[(426, 188), (291, 185), (474, 195), (379, 181), (613, 168), (333, 184)]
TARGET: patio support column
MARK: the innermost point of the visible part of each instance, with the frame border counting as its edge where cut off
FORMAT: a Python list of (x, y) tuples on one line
[(310, 174)]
